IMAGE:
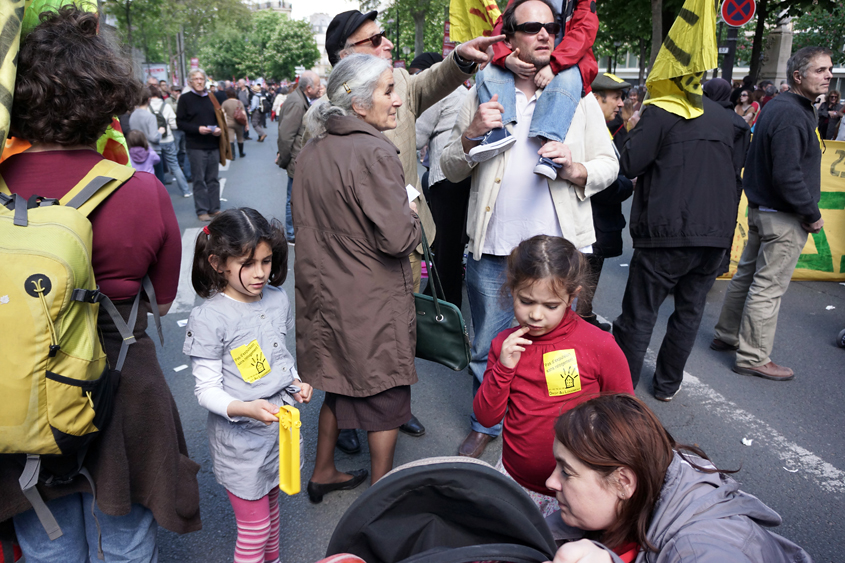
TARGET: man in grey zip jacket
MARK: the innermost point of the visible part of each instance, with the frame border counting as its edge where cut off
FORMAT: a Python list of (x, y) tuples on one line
[(702, 518)]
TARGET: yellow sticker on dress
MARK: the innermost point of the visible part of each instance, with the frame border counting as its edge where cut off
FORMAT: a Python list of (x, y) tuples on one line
[(251, 361), (562, 375)]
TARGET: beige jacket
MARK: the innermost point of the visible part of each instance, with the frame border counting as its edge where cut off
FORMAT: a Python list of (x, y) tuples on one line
[(418, 93), (590, 145)]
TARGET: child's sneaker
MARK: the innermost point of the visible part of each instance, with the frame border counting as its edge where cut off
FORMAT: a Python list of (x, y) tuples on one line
[(494, 143), (547, 167)]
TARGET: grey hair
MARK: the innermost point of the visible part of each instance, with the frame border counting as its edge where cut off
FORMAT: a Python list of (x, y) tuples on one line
[(306, 80), (801, 60), (353, 80), (197, 71)]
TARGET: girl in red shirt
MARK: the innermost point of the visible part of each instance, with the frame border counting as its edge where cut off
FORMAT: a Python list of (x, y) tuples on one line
[(551, 362)]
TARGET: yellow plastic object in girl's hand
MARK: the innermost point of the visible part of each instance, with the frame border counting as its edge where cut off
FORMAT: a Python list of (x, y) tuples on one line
[(289, 479)]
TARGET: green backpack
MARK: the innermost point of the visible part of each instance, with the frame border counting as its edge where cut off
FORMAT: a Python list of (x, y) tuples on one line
[(56, 384)]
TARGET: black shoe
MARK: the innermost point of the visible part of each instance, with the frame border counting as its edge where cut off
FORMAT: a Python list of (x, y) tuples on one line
[(348, 442), (413, 427), (666, 397), (317, 490)]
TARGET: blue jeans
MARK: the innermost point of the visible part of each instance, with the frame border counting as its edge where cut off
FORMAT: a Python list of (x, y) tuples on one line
[(126, 539), (169, 152), (182, 152), (491, 312), (288, 217), (555, 107)]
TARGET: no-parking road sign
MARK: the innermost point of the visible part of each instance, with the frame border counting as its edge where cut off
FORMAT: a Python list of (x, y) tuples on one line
[(737, 13)]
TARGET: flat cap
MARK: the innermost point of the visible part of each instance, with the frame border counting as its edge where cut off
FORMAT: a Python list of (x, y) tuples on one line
[(607, 81)]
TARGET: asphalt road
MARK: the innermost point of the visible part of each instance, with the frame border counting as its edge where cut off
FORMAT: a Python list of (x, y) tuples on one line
[(795, 461)]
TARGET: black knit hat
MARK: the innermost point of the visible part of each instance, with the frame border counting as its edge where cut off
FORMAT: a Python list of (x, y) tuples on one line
[(426, 60)]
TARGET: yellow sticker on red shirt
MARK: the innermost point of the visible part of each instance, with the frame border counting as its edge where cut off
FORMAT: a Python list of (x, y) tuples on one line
[(251, 361), (562, 376)]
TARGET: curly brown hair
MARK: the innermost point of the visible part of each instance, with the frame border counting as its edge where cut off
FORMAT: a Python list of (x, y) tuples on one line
[(71, 81)]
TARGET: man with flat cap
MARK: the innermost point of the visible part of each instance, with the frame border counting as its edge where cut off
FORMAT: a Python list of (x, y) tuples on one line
[(608, 219), (355, 32)]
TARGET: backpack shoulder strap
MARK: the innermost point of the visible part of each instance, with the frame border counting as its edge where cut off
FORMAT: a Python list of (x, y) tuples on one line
[(4, 189), (96, 186)]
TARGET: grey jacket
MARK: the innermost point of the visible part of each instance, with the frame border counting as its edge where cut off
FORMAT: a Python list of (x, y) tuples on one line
[(705, 518), (291, 129), (144, 121), (433, 128)]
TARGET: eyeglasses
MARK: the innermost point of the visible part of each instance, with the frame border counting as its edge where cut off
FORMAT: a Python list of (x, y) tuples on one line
[(533, 28), (375, 39)]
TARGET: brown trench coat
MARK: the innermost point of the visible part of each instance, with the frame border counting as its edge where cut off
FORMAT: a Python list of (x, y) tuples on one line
[(355, 317)]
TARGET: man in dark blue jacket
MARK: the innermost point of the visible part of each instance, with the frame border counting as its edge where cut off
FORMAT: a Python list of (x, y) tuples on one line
[(782, 181), (195, 116), (682, 222)]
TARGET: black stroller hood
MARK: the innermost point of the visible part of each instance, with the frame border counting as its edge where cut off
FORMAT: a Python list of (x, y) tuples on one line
[(444, 510)]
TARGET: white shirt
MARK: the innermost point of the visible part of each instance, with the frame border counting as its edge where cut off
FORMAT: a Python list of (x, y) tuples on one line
[(524, 207)]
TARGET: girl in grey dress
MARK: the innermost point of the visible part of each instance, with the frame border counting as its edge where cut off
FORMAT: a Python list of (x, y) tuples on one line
[(236, 340)]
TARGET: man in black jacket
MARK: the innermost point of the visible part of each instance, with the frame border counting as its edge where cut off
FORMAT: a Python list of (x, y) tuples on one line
[(719, 90), (608, 219), (783, 184), (196, 117), (682, 222)]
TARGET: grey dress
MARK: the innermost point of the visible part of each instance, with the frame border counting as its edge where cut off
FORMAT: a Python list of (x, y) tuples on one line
[(245, 452)]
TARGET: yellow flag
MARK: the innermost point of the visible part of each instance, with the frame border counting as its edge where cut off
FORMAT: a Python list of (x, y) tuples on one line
[(11, 14), (674, 83), (469, 19)]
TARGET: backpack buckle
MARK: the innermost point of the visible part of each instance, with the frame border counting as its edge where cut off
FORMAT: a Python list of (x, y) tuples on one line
[(86, 295)]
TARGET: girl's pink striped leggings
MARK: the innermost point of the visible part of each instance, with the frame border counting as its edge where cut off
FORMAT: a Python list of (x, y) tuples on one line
[(258, 528)]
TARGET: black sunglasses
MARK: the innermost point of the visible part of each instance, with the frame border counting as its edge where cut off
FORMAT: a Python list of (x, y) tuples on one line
[(375, 39), (533, 28)]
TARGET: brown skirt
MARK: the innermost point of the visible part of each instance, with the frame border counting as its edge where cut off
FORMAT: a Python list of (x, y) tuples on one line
[(383, 411)]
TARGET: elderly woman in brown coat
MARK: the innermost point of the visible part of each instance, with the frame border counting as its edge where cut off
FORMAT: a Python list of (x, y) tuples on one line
[(355, 319)]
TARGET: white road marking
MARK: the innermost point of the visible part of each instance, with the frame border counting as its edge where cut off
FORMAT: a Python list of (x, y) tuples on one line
[(827, 477), (222, 185), (225, 167), (185, 295)]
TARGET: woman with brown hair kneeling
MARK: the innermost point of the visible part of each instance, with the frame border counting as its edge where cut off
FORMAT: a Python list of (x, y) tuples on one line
[(355, 318), (622, 480)]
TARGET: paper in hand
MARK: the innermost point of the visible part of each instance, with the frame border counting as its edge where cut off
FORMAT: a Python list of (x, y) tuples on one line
[(412, 193)]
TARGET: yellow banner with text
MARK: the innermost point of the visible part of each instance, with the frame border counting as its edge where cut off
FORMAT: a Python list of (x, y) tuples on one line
[(823, 258)]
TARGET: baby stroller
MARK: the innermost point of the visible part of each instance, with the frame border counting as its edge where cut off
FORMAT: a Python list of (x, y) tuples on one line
[(444, 510)]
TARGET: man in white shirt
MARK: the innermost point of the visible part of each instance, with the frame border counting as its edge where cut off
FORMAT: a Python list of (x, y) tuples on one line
[(508, 202)]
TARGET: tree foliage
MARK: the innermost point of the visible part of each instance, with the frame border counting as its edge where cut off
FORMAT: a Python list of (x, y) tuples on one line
[(271, 46), (820, 27), (151, 25), (419, 24)]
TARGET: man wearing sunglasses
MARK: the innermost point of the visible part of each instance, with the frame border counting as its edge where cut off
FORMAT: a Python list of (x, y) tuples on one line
[(566, 76), (510, 203), (354, 32)]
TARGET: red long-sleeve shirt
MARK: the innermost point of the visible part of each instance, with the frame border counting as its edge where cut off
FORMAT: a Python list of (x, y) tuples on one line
[(576, 47), (522, 395)]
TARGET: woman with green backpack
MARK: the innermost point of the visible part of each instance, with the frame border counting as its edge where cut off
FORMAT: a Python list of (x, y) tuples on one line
[(70, 83)]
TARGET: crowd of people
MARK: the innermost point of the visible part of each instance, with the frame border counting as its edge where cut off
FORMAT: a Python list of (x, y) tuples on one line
[(528, 170)]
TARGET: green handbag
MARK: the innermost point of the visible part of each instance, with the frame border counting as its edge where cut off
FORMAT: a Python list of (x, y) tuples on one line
[(441, 333)]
